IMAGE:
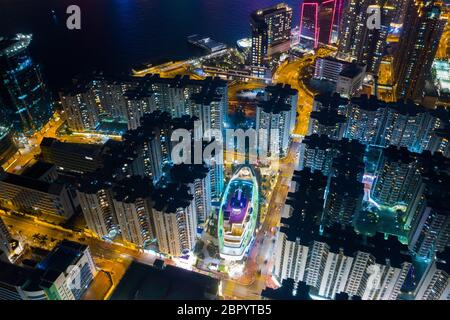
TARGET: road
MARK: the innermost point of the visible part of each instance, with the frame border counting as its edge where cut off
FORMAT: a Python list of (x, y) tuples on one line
[(113, 258), (110, 257), (295, 73), (260, 256), (253, 282), (26, 155)]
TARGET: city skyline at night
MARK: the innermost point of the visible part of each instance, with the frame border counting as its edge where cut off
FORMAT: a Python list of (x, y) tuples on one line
[(205, 150)]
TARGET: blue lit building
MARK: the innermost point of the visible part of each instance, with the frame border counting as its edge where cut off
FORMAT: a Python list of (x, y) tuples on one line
[(24, 99)]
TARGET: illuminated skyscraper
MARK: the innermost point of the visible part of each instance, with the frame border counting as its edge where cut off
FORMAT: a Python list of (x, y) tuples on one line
[(209, 104), (132, 206), (197, 178), (95, 196), (138, 102), (343, 201), (398, 177), (333, 260), (80, 107), (419, 42), (277, 113), (175, 219), (271, 33), (374, 40), (428, 217), (435, 283), (327, 122), (354, 19), (357, 40), (318, 18), (22, 91)]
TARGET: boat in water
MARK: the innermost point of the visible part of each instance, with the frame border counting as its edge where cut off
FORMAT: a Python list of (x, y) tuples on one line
[(238, 214)]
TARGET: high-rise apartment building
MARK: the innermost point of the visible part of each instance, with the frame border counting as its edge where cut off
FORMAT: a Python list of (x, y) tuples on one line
[(80, 107), (277, 113), (399, 175), (197, 178), (175, 219), (133, 209), (353, 28), (327, 122), (333, 260), (422, 31), (95, 196), (435, 283)]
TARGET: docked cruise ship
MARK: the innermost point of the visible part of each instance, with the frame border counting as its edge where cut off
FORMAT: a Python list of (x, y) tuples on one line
[(238, 214)]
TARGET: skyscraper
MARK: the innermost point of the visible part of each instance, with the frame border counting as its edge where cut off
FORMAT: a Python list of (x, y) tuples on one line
[(197, 178), (175, 219), (23, 92), (331, 259), (132, 206), (428, 217), (317, 20), (353, 28), (151, 141), (95, 196), (209, 104), (419, 42), (435, 283), (343, 201), (80, 107), (277, 113), (317, 152), (375, 40), (138, 102), (398, 177), (271, 32)]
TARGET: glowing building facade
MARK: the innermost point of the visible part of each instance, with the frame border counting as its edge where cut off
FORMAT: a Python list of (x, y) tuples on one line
[(23, 93), (238, 214)]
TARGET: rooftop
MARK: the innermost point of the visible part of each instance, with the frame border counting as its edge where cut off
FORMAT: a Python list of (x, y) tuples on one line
[(130, 189), (278, 98), (81, 149), (328, 117), (352, 70), (33, 184), (332, 101), (65, 254), (188, 173), (171, 197), (164, 282), (37, 170)]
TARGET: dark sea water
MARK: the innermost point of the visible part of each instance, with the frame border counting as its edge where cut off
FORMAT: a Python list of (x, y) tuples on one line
[(119, 34)]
